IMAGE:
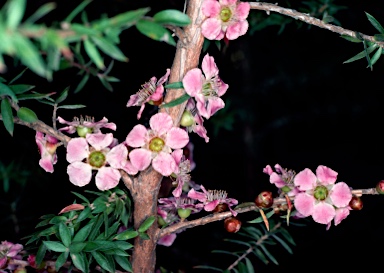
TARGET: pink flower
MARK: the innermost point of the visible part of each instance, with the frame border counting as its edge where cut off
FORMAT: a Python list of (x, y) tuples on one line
[(47, 148), (9, 250), (93, 153), (197, 124), (212, 198), (182, 170), (155, 145), (282, 179), (206, 89), (85, 125), (225, 18), (321, 197), (151, 92)]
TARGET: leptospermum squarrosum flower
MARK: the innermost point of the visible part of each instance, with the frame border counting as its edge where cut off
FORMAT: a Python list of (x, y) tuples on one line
[(282, 179), (182, 170), (226, 18), (206, 89), (321, 197), (192, 120), (47, 146), (94, 153), (151, 92), (156, 144), (85, 125), (212, 198)]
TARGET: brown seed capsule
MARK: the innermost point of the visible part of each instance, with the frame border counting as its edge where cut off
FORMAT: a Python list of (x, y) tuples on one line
[(264, 199), (220, 208), (232, 224), (356, 203), (380, 187)]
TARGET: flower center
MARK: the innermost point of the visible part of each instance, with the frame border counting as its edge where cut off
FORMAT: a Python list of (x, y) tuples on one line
[(147, 89), (156, 144), (225, 14), (96, 159), (211, 87), (82, 131), (321, 192)]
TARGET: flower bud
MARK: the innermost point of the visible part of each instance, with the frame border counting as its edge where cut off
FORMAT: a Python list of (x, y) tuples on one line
[(220, 208), (356, 203), (380, 187), (264, 199), (232, 224)]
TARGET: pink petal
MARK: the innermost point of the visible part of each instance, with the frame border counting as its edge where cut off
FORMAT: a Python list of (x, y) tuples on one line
[(133, 99), (209, 67), (341, 214), (211, 28), (227, 2), (210, 206), (177, 138), (305, 180), (200, 105), (99, 141), (167, 240), (161, 123), (140, 111), (214, 105), (193, 82), (197, 195), (210, 8), (107, 178), (223, 88), (178, 190), (80, 173), (323, 213), (77, 149), (340, 195), (268, 170), (326, 175), (129, 168), (117, 155), (137, 136), (140, 158), (164, 164), (47, 164), (201, 131), (304, 204), (276, 179), (237, 29), (177, 155), (242, 10), (164, 78)]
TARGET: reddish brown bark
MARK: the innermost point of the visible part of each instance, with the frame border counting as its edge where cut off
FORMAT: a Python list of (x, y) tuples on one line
[(145, 188)]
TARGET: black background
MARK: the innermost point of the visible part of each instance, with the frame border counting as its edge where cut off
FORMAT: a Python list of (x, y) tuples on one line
[(294, 102)]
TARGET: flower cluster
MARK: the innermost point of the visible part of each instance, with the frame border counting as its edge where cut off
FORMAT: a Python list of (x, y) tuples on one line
[(317, 195), (9, 254)]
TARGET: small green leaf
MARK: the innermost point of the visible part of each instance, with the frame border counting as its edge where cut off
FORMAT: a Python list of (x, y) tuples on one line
[(61, 260), (125, 19), (85, 30), (77, 10), (77, 106), (375, 23), (5, 90), (249, 265), (62, 96), (58, 219), (40, 12), (126, 235), (155, 31), (147, 224), (93, 54), (284, 244), (105, 83), (174, 85), (361, 54), (76, 247), (379, 37), (109, 48), (177, 101), (81, 83), (269, 255), (350, 38), (55, 246), (78, 260), (103, 261), (144, 236), (123, 262), (172, 17), (65, 234), (15, 11), (377, 55), (40, 254), (27, 115), (6, 112), (21, 88)]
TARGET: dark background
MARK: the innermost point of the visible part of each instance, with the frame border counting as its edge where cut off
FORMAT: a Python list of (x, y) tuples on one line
[(292, 102)]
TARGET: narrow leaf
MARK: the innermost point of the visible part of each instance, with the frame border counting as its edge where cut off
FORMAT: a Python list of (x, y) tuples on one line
[(77, 247), (376, 56), (172, 17), (15, 12), (177, 101), (83, 233), (62, 96), (93, 54), (78, 260), (77, 10), (6, 112), (379, 37), (361, 54), (27, 115), (284, 244), (147, 224), (61, 260), (269, 255), (125, 19), (351, 39), (155, 31), (249, 266), (5, 90), (40, 254), (21, 88), (55, 246), (375, 23), (65, 234), (77, 106), (110, 49), (123, 262), (40, 12), (103, 261), (81, 83), (126, 235), (174, 85)]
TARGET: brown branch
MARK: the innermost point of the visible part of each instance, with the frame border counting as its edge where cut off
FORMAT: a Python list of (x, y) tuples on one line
[(311, 20), (245, 207)]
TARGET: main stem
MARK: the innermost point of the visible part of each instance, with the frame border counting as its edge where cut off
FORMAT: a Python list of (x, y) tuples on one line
[(145, 188)]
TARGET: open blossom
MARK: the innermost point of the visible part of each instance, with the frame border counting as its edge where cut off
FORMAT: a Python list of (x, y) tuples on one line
[(85, 125), (206, 89), (212, 198), (226, 18), (155, 145), (181, 172), (282, 179), (151, 92), (47, 148), (93, 153), (196, 125), (9, 250), (321, 197)]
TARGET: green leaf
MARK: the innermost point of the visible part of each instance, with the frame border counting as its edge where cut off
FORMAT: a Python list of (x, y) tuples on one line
[(78, 260), (27, 115), (40, 254), (260, 255), (77, 10), (21, 88), (58, 219), (82, 83), (155, 31), (172, 17), (77, 247), (6, 112), (375, 23), (93, 54), (144, 236), (5, 90), (177, 101), (55, 246), (35, 96), (103, 261), (61, 260), (109, 48), (15, 11), (123, 262), (40, 12), (125, 19), (351, 39), (49, 231), (361, 54), (123, 245), (77, 106), (379, 37), (284, 244), (65, 234), (83, 233), (83, 215), (174, 85), (96, 230), (126, 235), (376, 56), (147, 224), (105, 83), (208, 267), (269, 255), (62, 96), (85, 30), (249, 265)]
